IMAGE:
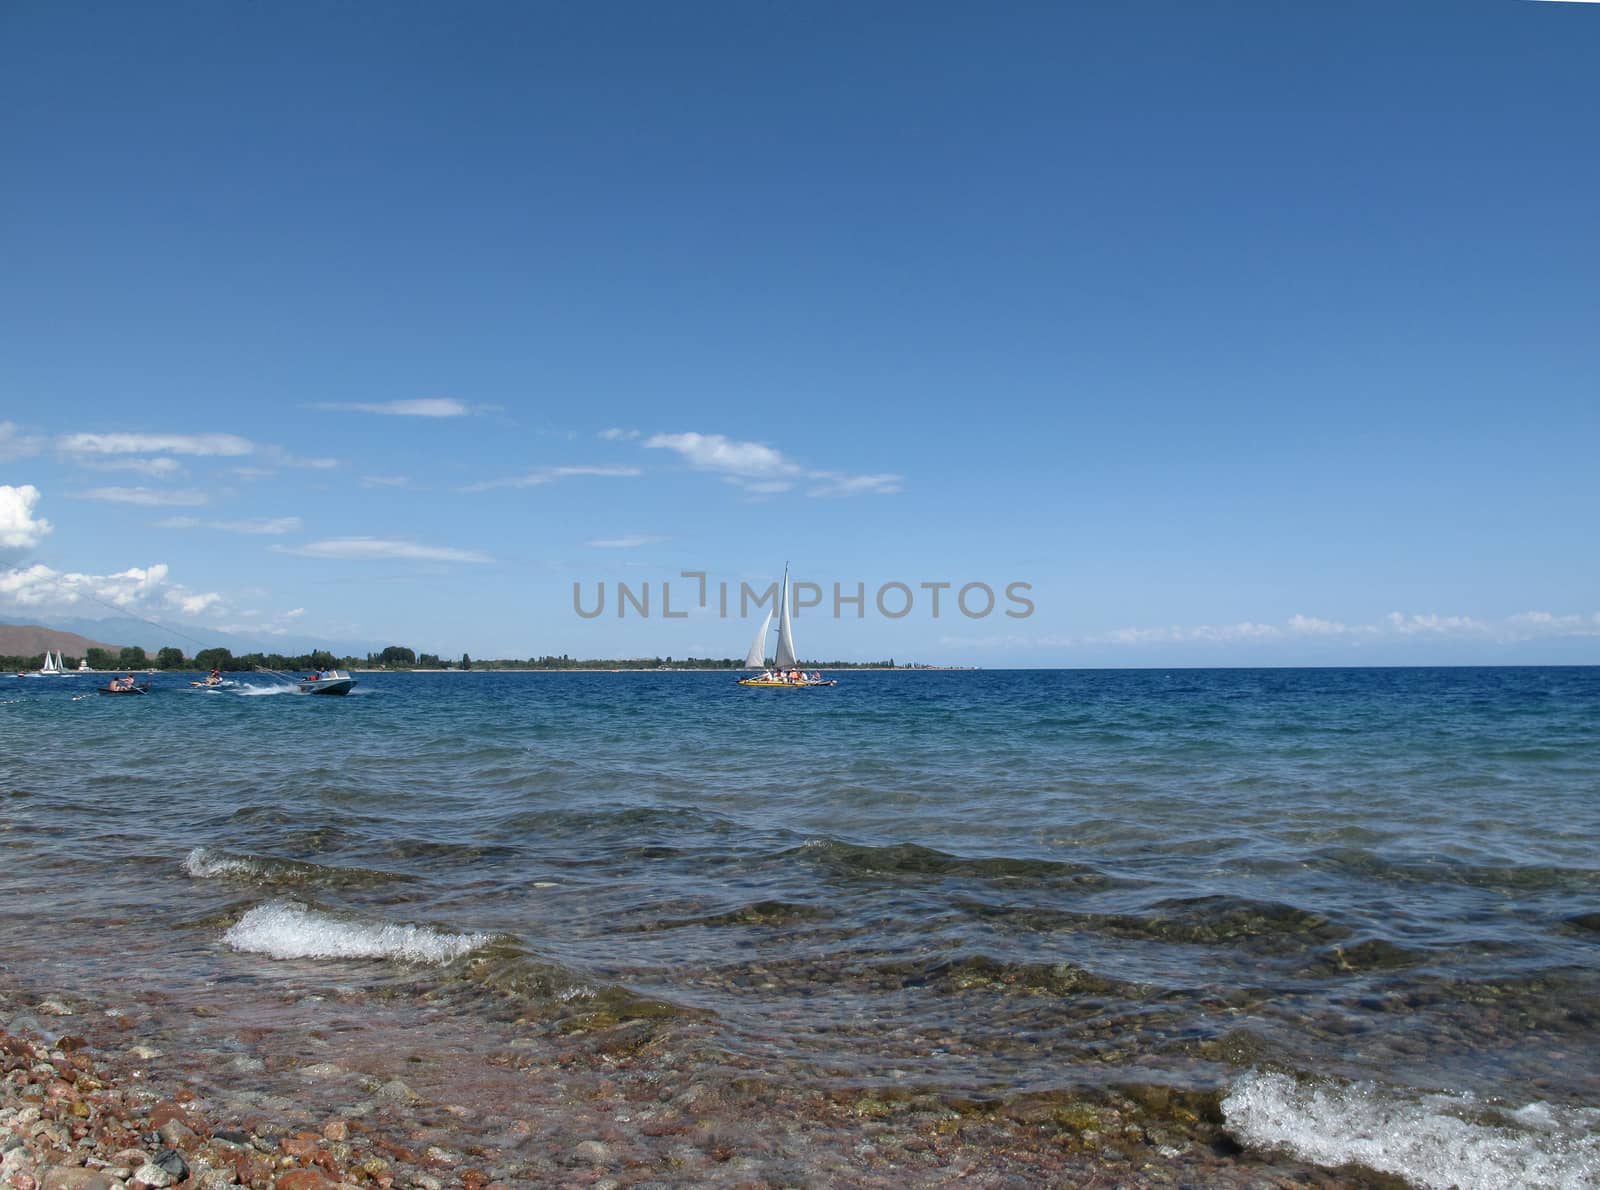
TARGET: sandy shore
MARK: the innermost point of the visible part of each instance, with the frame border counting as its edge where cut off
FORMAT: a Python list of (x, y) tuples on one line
[(86, 1105)]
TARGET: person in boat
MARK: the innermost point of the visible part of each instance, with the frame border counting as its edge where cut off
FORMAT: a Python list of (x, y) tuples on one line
[(122, 683), (214, 676)]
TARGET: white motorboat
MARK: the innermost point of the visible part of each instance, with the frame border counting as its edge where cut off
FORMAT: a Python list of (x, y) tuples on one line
[(327, 681)]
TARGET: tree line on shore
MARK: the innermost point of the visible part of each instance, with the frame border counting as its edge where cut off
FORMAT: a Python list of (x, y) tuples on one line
[(394, 657)]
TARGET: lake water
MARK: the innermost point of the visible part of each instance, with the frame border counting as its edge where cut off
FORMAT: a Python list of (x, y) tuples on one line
[(1362, 907)]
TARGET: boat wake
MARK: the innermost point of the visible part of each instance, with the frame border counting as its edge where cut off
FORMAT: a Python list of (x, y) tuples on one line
[(1437, 1141), (247, 690)]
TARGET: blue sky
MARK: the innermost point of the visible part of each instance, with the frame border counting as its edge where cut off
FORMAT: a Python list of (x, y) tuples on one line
[(1245, 334)]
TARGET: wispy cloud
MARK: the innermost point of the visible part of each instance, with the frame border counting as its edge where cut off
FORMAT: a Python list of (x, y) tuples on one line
[(761, 470), (378, 548), (550, 475), (268, 526), (20, 529), (832, 484), (385, 481), (282, 458), (159, 467), (151, 444), (424, 407), (617, 434), (14, 444), (624, 543), (1394, 627), (153, 497)]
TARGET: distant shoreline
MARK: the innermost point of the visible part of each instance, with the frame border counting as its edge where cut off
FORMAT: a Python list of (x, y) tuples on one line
[(665, 669)]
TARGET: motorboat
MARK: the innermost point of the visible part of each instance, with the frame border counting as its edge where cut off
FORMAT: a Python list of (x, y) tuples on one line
[(327, 681)]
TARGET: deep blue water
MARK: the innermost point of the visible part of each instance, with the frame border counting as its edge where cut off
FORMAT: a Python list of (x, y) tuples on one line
[(975, 881)]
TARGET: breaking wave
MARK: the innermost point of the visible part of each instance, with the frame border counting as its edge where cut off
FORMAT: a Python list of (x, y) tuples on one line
[(290, 930), (1436, 1141), (205, 863)]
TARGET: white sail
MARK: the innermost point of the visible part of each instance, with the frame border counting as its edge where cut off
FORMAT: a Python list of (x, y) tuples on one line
[(786, 659), (756, 658)]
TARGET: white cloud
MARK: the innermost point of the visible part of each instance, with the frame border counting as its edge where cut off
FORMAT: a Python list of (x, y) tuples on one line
[(1312, 626), (271, 526), (134, 589), (425, 407), (714, 452), (1433, 625), (149, 444), (14, 444), (284, 459), (385, 481), (1245, 631), (152, 497), (624, 543), (761, 470), (19, 528), (193, 605), (156, 468), (616, 434), (853, 485), (375, 548), (1394, 626), (550, 475)]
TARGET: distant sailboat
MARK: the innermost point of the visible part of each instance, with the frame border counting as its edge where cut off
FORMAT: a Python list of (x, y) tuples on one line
[(756, 658), (53, 667)]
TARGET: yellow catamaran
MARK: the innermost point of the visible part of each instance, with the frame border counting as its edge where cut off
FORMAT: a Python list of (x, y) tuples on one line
[(786, 675)]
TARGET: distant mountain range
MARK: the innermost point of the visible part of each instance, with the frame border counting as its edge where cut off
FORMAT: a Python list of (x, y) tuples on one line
[(73, 636), (26, 640)]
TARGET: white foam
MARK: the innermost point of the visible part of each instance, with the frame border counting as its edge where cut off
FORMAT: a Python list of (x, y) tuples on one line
[(1436, 1141), (246, 690), (203, 864), (290, 930)]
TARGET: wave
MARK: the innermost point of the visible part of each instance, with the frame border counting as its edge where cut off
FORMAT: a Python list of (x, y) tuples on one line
[(1367, 866), (204, 863), (767, 913), (911, 859), (290, 930), (1434, 1141), (562, 995)]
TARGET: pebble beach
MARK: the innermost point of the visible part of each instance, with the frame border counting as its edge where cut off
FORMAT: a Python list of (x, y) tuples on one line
[(95, 1108)]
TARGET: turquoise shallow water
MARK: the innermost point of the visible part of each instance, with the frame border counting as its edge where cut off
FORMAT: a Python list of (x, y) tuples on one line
[(974, 882)]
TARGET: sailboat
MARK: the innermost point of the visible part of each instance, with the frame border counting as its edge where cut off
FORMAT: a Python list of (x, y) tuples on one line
[(756, 658), (53, 667)]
